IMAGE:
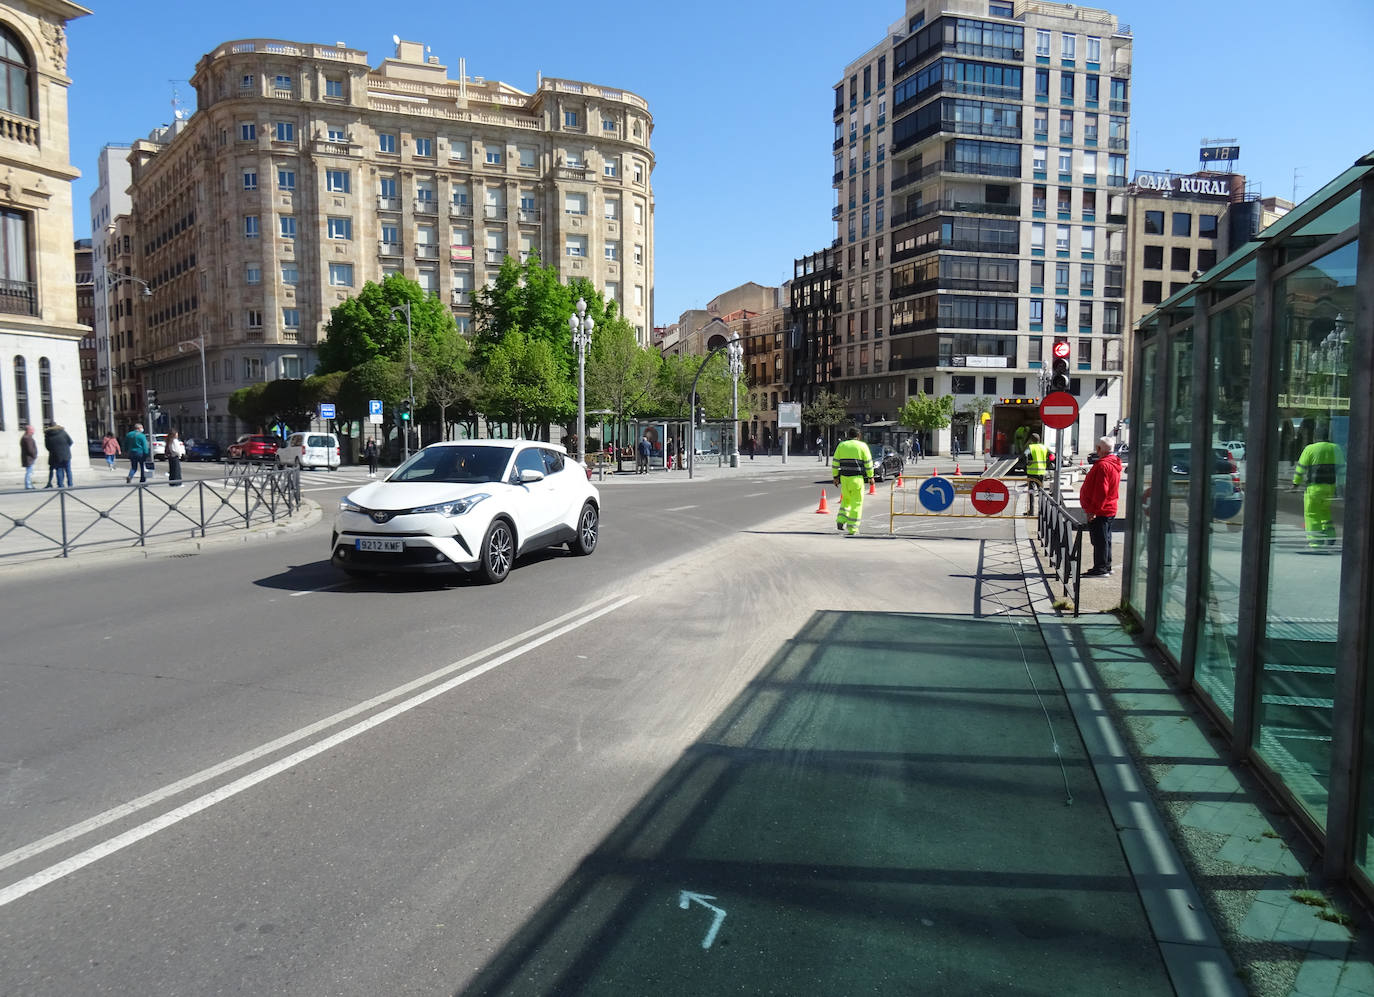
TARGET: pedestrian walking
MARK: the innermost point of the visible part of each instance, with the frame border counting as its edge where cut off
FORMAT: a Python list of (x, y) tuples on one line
[(28, 455), (820, 449), (1097, 495), (59, 447), (370, 455), (136, 446), (1318, 473), (109, 446), (642, 455), (1037, 463), (954, 446), (753, 446), (174, 451), (852, 469)]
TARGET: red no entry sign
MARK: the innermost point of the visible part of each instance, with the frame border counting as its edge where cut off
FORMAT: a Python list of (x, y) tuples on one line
[(990, 497), (1059, 410)]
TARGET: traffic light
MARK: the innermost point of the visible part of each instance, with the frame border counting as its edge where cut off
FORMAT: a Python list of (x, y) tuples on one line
[(701, 415), (152, 397), (405, 410), (1059, 380)]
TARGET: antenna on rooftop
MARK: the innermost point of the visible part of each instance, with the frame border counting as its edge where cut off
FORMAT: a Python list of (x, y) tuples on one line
[(178, 111)]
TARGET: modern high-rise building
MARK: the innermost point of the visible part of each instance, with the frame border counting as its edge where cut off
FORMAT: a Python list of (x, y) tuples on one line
[(953, 137), (86, 350), (113, 375), (304, 172), (40, 364)]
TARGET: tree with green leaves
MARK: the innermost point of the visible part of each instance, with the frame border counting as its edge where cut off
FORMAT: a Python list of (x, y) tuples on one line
[(247, 405), (378, 378), (363, 327), (451, 386), (925, 413), (621, 375), (974, 408), (827, 411), (524, 383), (529, 298)]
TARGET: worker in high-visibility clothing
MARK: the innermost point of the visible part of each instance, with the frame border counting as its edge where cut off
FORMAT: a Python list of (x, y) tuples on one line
[(1319, 470), (1037, 463), (852, 469)]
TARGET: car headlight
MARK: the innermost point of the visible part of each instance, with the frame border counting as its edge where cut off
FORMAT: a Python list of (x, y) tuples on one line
[(455, 508), (347, 506)]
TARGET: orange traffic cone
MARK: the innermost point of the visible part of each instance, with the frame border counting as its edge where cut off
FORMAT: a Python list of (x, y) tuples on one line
[(899, 479), (822, 510), (957, 472), (934, 472), (872, 486)]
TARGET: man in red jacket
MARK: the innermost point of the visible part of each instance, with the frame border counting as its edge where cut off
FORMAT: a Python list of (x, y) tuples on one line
[(1097, 496)]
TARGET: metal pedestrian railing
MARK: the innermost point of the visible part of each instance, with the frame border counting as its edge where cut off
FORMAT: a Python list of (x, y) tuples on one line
[(64, 520), (1061, 534)]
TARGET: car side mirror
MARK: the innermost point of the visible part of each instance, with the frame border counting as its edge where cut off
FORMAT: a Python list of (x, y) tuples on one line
[(529, 476)]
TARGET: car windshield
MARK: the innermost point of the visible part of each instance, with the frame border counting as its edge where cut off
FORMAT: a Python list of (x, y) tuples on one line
[(455, 465)]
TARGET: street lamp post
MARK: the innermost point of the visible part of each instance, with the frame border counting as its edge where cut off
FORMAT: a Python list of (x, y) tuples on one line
[(112, 277), (199, 341), (735, 351), (581, 326), (410, 376)]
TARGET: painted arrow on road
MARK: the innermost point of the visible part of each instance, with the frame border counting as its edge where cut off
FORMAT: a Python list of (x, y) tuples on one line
[(685, 899)]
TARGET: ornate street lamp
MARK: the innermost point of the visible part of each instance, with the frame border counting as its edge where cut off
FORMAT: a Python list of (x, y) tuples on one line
[(581, 326), (735, 353), (111, 278), (410, 378)]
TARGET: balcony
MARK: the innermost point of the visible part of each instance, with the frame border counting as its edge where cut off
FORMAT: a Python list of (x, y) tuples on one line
[(531, 216), (390, 249), (426, 251), (459, 209), (1116, 144), (494, 212), (426, 206), (18, 297), (460, 297), (495, 255), (388, 204)]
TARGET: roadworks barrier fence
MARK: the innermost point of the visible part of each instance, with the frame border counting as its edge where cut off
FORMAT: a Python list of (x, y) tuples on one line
[(958, 496)]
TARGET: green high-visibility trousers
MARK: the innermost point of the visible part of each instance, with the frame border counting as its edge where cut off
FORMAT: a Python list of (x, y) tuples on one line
[(1316, 511), (851, 503)]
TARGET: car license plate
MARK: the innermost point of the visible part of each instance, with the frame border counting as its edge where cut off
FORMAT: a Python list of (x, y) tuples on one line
[(381, 546)]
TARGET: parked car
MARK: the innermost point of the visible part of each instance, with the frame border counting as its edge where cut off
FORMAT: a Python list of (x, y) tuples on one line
[(254, 447), (159, 446), (1228, 493), (887, 462), (310, 450), (467, 506), (1236, 448), (203, 450)]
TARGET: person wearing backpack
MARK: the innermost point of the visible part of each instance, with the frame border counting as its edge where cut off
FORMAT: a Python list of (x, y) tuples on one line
[(136, 446)]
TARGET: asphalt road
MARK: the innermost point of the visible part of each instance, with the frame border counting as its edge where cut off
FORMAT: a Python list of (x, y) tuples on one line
[(236, 772)]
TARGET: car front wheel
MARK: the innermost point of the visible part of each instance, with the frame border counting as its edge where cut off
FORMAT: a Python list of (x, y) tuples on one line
[(498, 552), (588, 531)]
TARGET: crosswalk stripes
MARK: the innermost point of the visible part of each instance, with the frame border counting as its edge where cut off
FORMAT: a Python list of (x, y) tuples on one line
[(343, 477)]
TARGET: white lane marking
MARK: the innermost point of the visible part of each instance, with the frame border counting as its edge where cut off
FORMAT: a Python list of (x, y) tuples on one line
[(38, 880), (756, 494), (132, 807), (679, 508), (322, 588)]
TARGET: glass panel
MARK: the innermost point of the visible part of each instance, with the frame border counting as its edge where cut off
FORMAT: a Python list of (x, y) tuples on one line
[(1311, 410), (1142, 447), (1178, 430), (1230, 366)]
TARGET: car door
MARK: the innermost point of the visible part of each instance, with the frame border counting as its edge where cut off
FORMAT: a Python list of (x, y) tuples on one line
[(567, 491), (535, 502)]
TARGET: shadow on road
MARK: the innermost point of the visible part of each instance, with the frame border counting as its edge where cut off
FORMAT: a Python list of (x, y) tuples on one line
[(885, 809)]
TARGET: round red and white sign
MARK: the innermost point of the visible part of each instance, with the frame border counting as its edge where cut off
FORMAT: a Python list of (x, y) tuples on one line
[(990, 497), (1059, 410), (1061, 350)]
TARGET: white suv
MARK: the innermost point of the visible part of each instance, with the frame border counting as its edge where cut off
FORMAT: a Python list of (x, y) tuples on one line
[(469, 505), (310, 450)]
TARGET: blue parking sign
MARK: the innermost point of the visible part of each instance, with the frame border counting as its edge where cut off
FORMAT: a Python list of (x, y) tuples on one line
[(326, 410), (374, 407), (936, 494)]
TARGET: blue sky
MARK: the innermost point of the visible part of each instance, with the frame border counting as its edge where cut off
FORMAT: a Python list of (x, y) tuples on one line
[(741, 95)]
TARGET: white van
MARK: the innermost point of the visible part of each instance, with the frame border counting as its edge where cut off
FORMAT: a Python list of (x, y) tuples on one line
[(309, 451)]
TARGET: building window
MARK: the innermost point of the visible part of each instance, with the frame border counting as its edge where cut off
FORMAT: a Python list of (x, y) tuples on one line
[(291, 318), (291, 367), (1094, 52), (527, 158), (290, 274), (248, 81), (1154, 257), (1206, 259), (1151, 292), (340, 228), (281, 82), (286, 179), (639, 254), (1066, 86), (612, 250), (494, 157), (612, 208), (252, 319), (639, 173), (250, 226), (1038, 156), (252, 273), (248, 131), (284, 131), (250, 179), (1042, 42), (336, 181), (21, 392), (1207, 226), (424, 147), (1085, 316), (611, 167), (1086, 278), (575, 204), (1061, 277), (288, 226), (458, 150), (1068, 46), (577, 245), (1181, 258), (1061, 238), (612, 291), (1182, 223), (386, 143), (1000, 8), (1154, 223), (1042, 85), (334, 88), (569, 119)]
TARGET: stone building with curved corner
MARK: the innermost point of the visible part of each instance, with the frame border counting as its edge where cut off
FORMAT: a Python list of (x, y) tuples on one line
[(305, 172), (40, 338)]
